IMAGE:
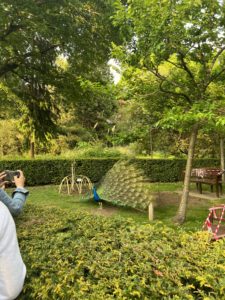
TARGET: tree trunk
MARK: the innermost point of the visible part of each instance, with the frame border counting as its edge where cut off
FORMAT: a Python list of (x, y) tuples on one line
[(150, 142), (222, 155), (181, 214), (32, 145), (32, 152)]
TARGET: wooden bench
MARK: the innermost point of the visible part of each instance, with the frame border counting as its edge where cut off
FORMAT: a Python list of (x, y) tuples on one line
[(211, 176)]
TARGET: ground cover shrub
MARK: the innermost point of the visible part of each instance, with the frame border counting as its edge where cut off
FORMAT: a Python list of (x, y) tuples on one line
[(74, 255)]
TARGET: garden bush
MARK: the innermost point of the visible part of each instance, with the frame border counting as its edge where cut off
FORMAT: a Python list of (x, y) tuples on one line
[(88, 150), (73, 255), (170, 170), (52, 171)]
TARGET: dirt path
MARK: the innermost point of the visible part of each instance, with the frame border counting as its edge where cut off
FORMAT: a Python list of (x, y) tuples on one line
[(107, 212)]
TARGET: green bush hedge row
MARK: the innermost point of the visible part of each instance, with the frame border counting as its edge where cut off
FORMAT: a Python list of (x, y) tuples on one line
[(40, 172), (73, 255), (170, 170)]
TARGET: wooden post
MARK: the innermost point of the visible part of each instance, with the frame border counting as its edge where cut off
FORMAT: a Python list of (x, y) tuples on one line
[(32, 149), (68, 186), (73, 176), (222, 163), (151, 211), (32, 145)]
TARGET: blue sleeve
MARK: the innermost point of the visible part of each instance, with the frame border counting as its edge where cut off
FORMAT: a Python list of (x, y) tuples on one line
[(16, 202)]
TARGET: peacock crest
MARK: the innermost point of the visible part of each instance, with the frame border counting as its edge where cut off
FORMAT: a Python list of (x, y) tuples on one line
[(125, 185)]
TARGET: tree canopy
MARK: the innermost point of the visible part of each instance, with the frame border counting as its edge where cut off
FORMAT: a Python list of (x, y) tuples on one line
[(183, 44), (34, 35)]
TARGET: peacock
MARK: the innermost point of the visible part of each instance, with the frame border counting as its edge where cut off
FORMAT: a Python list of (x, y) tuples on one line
[(124, 185)]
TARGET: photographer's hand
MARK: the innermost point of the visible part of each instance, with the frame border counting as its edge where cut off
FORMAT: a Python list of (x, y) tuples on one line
[(19, 181), (16, 202), (2, 181)]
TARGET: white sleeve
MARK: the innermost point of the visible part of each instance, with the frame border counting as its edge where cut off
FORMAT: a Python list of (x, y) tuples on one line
[(12, 268)]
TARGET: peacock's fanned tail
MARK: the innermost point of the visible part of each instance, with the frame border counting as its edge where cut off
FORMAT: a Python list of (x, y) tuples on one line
[(124, 184)]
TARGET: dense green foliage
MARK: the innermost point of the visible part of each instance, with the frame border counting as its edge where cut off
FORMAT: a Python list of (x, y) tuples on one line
[(180, 43), (143, 104), (136, 137), (55, 73), (73, 255), (40, 172), (52, 171), (54, 52)]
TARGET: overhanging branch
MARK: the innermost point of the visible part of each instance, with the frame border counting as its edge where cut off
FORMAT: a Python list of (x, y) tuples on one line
[(216, 56), (16, 61), (215, 77), (174, 93), (185, 67), (11, 28), (8, 67), (163, 79)]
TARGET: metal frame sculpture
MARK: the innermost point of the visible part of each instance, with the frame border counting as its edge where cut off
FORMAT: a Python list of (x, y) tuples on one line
[(73, 183)]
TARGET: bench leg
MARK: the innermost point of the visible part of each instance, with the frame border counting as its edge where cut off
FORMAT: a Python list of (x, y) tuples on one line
[(217, 190), (197, 187), (200, 187), (221, 188)]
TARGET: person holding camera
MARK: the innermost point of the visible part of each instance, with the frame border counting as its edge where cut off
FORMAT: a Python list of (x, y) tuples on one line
[(16, 202), (12, 267)]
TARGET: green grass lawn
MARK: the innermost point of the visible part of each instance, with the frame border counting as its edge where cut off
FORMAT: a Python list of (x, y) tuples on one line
[(48, 196)]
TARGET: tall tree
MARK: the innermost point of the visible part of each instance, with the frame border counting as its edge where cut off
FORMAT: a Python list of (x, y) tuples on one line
[(34, 34), (138, 92), (187, 37)]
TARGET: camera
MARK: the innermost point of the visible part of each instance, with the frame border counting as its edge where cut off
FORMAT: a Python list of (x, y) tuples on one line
[(9, 175)]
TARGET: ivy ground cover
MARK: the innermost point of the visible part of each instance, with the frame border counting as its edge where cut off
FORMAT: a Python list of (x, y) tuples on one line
[(71, 254)]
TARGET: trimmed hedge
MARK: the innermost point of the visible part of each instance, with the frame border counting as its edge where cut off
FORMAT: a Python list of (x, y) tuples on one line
[(73, 255), (41, 172), (170, 170)]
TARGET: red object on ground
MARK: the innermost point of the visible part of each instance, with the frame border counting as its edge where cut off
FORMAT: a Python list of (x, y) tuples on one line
[(214, 222)]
